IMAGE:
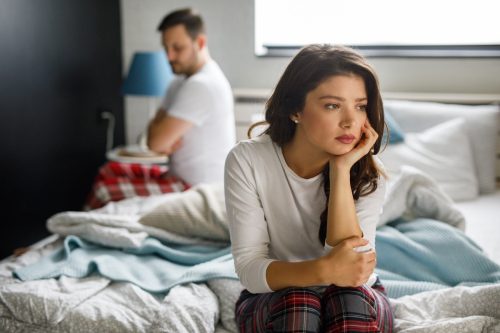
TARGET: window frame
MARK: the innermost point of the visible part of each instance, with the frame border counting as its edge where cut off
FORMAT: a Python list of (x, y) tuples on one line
[(407, 51)]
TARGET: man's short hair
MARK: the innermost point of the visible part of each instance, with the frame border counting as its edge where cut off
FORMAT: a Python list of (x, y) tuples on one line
[(191, 20)]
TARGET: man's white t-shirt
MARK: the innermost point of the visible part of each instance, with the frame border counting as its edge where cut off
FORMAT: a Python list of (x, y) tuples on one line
[(274, 214), (205, 99)]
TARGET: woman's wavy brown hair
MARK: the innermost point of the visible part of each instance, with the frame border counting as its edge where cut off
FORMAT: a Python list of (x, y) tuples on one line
[(308, 69)]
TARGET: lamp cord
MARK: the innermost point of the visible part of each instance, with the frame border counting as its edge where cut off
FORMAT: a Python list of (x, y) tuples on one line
[(110, 129)]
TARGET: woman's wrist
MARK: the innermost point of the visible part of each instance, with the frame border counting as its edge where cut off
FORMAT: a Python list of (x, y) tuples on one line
[(339, 168), (339, 175), (323, 270)]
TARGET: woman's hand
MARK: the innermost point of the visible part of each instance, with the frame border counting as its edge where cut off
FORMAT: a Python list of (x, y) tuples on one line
[(368, 138), (345, 267)]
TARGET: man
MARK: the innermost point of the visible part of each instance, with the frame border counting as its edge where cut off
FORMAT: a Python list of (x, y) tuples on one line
[(195, 122), (194, 125)]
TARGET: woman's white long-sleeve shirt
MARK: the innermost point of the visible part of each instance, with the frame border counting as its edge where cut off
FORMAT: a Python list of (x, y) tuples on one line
[(275, 215)]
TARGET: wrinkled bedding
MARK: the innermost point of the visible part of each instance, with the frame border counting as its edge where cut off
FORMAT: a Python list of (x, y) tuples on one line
[(96, 303)]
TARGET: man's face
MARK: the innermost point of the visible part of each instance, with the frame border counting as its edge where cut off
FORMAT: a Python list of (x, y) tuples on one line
[(182, 51)]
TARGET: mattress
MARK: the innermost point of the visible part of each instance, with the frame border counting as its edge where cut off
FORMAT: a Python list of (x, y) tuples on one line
[(482, 217)]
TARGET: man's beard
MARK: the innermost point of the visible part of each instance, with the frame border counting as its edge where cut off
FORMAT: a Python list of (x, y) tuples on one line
[(176, 71), (182, 70)]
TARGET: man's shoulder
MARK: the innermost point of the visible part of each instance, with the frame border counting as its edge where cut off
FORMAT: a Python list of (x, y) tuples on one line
[(207, 81), (211, 67), (210, 74)]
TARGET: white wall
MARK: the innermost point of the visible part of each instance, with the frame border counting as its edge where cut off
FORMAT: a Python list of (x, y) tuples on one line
[(230, 26)]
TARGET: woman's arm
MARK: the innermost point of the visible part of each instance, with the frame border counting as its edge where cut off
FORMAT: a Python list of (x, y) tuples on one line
[(247, 223), (341, 266), (342, 220), (250, 240)]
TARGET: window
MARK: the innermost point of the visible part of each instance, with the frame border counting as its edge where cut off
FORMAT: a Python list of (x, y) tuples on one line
[(424, 28)]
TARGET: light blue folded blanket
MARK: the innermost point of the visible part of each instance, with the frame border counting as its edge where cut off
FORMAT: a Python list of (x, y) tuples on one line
[(155, 266), (425, 254), (412, 257)]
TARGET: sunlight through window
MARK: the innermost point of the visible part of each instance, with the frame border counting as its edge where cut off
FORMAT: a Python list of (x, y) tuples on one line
[(380, 25)]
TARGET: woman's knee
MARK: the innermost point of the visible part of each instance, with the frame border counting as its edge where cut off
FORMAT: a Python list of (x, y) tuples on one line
[(295, 310), (355, 307), (350, 299), (342, 305)]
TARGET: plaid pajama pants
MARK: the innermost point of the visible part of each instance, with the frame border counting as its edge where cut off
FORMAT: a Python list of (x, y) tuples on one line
[(117, 181), (329, 309)]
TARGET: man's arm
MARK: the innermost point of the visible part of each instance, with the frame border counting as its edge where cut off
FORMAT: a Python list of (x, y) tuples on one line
[(165, 132)]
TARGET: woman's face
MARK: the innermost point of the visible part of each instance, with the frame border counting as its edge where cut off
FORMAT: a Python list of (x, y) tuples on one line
[(334, 114)]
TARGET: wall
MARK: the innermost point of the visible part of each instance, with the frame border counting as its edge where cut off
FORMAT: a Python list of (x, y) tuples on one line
[(230, 25)]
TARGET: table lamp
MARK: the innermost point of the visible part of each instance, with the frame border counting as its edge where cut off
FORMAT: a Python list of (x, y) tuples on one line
[(149, 75)]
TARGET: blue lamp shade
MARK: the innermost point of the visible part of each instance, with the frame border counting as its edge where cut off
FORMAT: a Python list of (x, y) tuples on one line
[(148, 75)]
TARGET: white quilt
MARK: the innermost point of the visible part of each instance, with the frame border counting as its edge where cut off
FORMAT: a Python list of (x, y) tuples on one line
[(415, 194), (118, 224), (458, 309), (96, 304)]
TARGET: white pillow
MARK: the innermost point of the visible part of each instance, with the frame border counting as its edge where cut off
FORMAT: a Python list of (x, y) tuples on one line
[(482, 129), (197, 212), (443, 152)]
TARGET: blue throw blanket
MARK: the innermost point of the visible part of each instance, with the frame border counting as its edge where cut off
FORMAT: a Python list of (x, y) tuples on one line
[(155, 266), (425, 254), (413, 256)]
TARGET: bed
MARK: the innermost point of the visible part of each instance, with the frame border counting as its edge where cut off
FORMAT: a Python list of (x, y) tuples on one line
[(459, 145), (103, 270), (483, 222)]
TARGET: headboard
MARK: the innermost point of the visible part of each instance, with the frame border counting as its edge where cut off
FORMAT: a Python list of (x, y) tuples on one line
[(465, 98)]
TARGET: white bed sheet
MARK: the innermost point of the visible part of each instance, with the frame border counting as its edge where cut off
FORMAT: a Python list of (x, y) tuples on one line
[(482, 216)]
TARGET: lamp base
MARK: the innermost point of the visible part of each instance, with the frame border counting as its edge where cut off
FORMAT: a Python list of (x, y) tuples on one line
[(152, 108)]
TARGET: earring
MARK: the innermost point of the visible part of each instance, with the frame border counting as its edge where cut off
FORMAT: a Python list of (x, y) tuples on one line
[(296, 121)]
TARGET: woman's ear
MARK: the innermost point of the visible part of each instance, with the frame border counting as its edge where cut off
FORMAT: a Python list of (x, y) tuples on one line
[(295, 118)]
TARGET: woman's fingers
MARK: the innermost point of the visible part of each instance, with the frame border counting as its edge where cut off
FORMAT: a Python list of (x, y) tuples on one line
[(371, 136)]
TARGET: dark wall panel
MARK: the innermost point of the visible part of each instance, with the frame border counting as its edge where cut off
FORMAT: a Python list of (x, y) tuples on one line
[(60, 63)]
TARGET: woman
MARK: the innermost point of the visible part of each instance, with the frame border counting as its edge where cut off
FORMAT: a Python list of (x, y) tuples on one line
[(304, 199)]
